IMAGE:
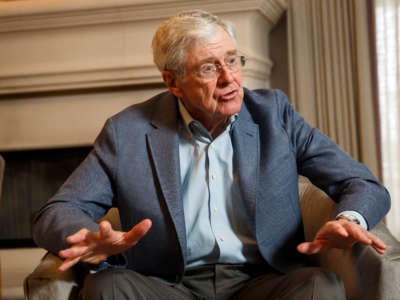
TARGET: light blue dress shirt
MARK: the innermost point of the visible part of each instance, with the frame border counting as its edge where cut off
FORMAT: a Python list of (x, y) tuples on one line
[(215, 216)]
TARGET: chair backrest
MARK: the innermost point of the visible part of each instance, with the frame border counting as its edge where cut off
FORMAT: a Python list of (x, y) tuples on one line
[(2, 167), (113, 217)]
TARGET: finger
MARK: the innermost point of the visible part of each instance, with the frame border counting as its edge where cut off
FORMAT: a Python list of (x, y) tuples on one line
[(310, 248), (355, 231), (136, 233), (379, 250), (340, 229), (68, 263), (74, 251), (78, 237), (378, 247), (94, 259), (363, 236), (377, 242), (105, 229), (359, 234)]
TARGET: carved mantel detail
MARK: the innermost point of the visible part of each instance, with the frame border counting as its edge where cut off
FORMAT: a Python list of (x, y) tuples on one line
[(45, 14)]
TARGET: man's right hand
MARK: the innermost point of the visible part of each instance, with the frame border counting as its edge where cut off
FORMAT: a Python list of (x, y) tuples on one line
[(95, 247)]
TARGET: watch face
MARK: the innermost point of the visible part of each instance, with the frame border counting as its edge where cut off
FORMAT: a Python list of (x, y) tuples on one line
[(349, 218)]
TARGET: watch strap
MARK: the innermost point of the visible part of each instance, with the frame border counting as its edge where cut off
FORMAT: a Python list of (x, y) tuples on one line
[(348, 217)]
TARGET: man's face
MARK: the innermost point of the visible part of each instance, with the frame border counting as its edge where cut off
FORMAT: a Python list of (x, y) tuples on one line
[(216, 98)]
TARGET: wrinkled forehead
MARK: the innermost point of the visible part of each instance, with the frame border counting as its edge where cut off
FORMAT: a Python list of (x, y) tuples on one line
[(217, 45)]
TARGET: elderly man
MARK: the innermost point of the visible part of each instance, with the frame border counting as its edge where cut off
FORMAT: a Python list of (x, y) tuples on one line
[(205, 178)]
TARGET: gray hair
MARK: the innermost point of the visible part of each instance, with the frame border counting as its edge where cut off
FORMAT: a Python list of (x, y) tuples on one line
[(177, 33)]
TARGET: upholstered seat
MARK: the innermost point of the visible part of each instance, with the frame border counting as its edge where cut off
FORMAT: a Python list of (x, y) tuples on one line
[(366, 274)]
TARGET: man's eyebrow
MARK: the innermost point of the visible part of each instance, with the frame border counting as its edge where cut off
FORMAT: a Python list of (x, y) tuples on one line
[(232, 52), (213, 58)]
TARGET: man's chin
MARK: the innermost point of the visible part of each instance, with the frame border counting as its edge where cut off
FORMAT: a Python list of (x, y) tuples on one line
[(229, 108), (228, 112)]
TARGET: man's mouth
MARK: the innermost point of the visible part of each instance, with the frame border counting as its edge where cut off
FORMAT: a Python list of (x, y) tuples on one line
[(228, 96)]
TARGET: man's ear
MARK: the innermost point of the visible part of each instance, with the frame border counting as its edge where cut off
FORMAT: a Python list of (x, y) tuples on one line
[(172, 82)]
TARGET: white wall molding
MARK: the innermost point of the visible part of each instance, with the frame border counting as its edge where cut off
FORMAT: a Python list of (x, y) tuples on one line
[(273, 9), (118, 76), (256, 68), (44, 14)]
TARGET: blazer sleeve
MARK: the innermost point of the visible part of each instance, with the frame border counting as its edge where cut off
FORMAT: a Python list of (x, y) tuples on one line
[(85, 197), (346, 181)]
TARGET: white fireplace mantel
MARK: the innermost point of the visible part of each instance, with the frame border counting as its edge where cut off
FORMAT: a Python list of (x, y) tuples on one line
[(35, 14), (70, 45)]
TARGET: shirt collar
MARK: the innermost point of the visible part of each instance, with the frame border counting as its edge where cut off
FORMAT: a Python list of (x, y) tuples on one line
[(186, 116), (194, 125)]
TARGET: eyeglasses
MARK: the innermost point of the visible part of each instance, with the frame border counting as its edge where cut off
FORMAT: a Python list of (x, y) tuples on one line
[(212, 70)]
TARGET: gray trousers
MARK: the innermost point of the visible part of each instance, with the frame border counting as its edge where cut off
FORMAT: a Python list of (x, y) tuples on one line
[(219, 282)]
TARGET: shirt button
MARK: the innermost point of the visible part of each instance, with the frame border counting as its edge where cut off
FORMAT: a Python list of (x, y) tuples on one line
[(215, 209), (221, 238), (213, 177)]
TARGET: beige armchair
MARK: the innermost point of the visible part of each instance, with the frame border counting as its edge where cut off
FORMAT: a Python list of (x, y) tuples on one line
[(366, 274)]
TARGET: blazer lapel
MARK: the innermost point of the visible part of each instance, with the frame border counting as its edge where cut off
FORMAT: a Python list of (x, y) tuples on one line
[(245, 139), (163, 143)]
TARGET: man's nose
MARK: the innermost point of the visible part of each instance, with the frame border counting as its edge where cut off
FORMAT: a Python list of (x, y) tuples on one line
[(225, 75)]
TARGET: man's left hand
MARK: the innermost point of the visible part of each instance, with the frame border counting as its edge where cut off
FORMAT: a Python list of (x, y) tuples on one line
[(341, 234)]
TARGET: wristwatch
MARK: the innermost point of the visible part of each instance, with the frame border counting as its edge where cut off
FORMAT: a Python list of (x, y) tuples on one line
[(348, 217)]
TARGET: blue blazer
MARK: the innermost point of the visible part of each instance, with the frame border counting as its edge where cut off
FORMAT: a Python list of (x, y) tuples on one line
[(134, 166)]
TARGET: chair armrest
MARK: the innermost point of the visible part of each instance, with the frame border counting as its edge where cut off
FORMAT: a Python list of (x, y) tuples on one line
[(46, 282), (366, 274)]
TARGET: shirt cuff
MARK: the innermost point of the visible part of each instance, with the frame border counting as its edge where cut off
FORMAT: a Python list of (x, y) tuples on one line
[(358, 216)]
